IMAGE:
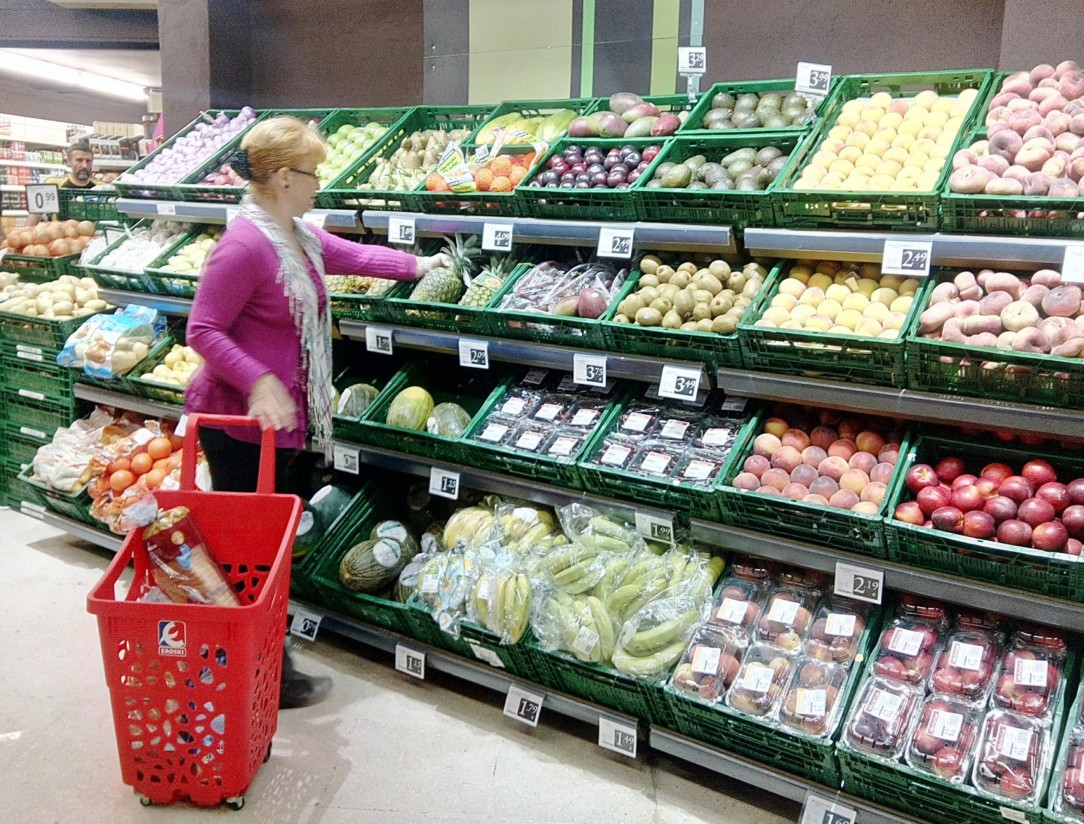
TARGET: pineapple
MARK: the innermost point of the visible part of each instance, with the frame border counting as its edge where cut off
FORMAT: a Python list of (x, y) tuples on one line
[(447, 285), (489, 280), (348, 284)]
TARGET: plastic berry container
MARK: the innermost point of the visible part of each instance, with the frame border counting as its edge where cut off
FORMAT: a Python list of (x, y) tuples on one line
[(1011, 757), (965, 665), (787, 616), (837, 631), (758, 689), (906, 651), (1028, 681), (710, 665)]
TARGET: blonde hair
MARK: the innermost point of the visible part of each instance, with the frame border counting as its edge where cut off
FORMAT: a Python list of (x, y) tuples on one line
[(280, 142)]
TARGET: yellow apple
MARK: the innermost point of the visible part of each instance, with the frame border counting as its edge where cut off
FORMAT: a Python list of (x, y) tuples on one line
[(891, 168), (812, 295), (849, 117), (841, 167), (895, 320), (838, 292), (866, 285), (878, 147), (850, 154), (867, 126), (882, 99), (879, 183), (903, 140), (776, 314), (840, 132), (873, 114), (868, 327), (891, 120), (858, 140)]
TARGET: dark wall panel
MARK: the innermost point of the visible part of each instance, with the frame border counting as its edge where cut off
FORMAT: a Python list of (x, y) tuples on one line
[(1037, 32), (622, 46), (186, 61), (40, 24), (447, 52)]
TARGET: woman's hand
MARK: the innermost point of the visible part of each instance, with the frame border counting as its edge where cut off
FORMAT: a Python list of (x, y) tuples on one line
[(271, 404), (428, 264)]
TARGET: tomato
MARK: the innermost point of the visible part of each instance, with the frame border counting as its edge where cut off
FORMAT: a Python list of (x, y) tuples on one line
[(117, 465), (159, 448), (121, 480), (141, 463)]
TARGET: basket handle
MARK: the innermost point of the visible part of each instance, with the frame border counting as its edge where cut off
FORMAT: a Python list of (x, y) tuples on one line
[(265, 483)]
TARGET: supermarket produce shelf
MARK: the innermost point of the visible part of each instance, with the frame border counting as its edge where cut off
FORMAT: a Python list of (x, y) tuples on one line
[(648, 236), (341, 219), (109, 397), (906, 403), (163, 303), (947, 250), (522, 352), (106, 540)]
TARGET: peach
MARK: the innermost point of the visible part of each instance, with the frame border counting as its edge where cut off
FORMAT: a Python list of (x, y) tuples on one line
[(776, 426), (844, 499), (796, 438), (824, 486), (746, 480), (775, 477), (844, 448), (795, 492), (757, 465), (874, 492), (866, 508), (889, 453), (869, 441), (786, 458), (854, 480), (833, 467), (882, 473), (823, 436), (864, 461), (813, 455), (768, 490), (766, 444), (813, 498), (848, 429)]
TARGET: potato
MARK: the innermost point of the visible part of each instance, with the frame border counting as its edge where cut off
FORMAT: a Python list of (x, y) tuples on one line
[(63, 307), (1020, 315), (95, 305)]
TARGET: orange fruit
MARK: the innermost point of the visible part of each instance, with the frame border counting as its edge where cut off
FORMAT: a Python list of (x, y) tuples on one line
[(436, 183), (159, 448), (142, 463), (154, 478), (500, 166), (483, 180), (176, 441), (121, 480), (517, 174), (501, 184), (117, 465)]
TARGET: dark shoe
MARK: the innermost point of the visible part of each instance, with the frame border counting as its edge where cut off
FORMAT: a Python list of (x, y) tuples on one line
[(303, 690)]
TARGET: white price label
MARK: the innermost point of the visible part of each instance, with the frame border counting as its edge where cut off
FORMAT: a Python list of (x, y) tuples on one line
[(589, 370), (585, 642), (1013, 742), (347, 458), (513, 407), (305, 624), (674, 430), (410, 661), (584, 417), (758, 678), (698, 470), (523, 705), (548, 411), (616, 454), (692, 60), (655, 463), (945, 725), (497, 237), (529, 441), (717, 436), (42, 199), (1027, 673), (783, 611), (317, 219), (231, 214), (811, 703), (474, 354), (430, 583), (615, 243), (1072, 265), (820, 810), (732, 611), (401, 231), (487, 655), (636, 422), (840, 624), (34, 396), (166, 208), (617, 737), (493, 432), (706, 660), (534, 376), (859, 583), (734, 404), (966, 656), (444, 483), (379, 339), (885, 705), (562, 447), (655, 527), (905, 641), (681, 383), (907, 257), (813, 78)]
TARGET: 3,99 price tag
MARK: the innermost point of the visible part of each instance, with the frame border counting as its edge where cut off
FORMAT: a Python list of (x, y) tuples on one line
[(410, 661), (819, 810), (444, 483), (523, 706), (378, 339), (907, 257), (615, 243), (655, 527), (347, 458), (859, 583), (1072, 266), (474, 354), (42, 199), (617, 737), (813, 78), (497, 237), (589, 370), (401, 230), (680, 383)]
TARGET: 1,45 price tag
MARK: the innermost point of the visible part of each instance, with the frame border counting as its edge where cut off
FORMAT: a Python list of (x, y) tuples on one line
[(497, 237), (410, 661), (680, 383), (617, 737), (589, 370), (907, 257), (859, 583), (820, 810), (1072, 266), (401, 231), (615, 243), (523, 706), (813, 78), (378, 339), (474, 354), (444, 483)]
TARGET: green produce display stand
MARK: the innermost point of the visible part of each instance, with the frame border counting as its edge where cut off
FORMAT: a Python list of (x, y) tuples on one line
[(784, 86)]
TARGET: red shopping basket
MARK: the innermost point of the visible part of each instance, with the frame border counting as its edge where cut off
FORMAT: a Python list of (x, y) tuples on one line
[(195, 688)]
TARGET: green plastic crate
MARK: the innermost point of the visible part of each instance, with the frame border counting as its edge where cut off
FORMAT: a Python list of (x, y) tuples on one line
[(855, 359), (389, 117), (41, 381), (895, 211), (737, 208), (840, 529), (519, 659), (364, 307), (40, 419), (782, 86), (39, 269), (1073, 719), (21, 445), (123, 383), (113, 278), (177, 284), (377, 371), (41, 336), (537, 108), (345, 193), (1055, 574), (20, 488), (422, 627), (486, 203), (96, 205), (74, 505)]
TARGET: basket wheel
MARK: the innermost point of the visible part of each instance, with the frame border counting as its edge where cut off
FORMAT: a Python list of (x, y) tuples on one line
[(267, 757), (235, 803), (146, 802)]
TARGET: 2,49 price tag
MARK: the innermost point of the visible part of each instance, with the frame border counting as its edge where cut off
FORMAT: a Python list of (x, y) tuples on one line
[(615, 243), (1072, 266), (813, 78), (474, 354), (497, 237), (680, 383), (617, 737), (523, 706), (401, 230), (378, 339), (589, 370), (819, 810), (907, 257), (859, 583), (444, 483), (42, 199), (410, 661)]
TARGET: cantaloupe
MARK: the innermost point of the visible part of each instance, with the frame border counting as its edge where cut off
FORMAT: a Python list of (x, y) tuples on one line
[(410, 409)]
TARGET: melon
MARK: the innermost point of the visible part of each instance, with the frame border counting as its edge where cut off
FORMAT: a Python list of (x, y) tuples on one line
[(410, 409), (448, 420), (373, 565), (355, 399)]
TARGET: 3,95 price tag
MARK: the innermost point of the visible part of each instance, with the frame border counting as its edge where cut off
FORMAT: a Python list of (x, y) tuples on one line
[(410, 661), (401, 230), (523, 706), (305, 624), (347, 458), (497, 237), (42, 199), (474, 354), (1072, 266), (655, 527), (444, 483), (378, 339), (907, 257), (680, 383), (692, 60), (615, 243), (859, 583), (589, 370), (819, 810), (813, 78), (617, 737)]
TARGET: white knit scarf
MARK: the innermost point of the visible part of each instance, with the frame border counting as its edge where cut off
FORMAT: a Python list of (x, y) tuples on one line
[(311, 320)]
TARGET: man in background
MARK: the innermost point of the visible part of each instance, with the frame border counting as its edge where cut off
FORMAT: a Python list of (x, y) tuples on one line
[(80, 164)]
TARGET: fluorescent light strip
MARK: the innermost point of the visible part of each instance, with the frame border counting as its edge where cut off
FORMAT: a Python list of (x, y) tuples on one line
[(32, 67)]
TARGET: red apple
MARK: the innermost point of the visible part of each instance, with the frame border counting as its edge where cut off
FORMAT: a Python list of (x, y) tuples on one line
[(948, 519), (1016, 487), (919, 476), (910, 512), (1014, 532), (950, 468), (1073, 519), (1076, 491), (987, 487), (1055, 492), (979, 524), (1035, 511), (933, 497), (997, 471), (1073, 547), (966, 478), (1039, 472), (1051, 536), (1000, 507), (967, 498)]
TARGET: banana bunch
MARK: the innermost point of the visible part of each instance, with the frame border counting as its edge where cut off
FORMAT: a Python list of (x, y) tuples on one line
[(573, 568), (469, 528), (651, 577), (587, 631), (651, 645), (501, 602), (524, 529)]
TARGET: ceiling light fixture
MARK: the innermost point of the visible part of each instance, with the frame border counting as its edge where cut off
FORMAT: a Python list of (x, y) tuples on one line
[(43, 70)]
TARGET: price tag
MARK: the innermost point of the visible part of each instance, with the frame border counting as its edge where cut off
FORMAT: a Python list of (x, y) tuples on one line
[(493, 432), (813, 78), (444, 483), (1013, 742), (548, 411), (317, 219), (1013, 814), (859, 583), (674, 430), (42, 199), (231, 214), (529, 441), (1027, 673), (698, 470), (584, 417), (474, 354), (1072, 266), (717, 436), (758, 678), (706, 660), (811, 703), (783, 611), (617, 737), (885, 705), (347, 458), (523, 706), (840, 624), (732, 611), (563, 447), (946, 725), (907, 257), (692, 60), (616, 454), (655, 527), (378, 339), (906, 641), (34, 396), (166, 208), (966, 656), (820, 810), (589, 370), (401, 231), (734, 404), (487, 655), (497, 237), (410, 661), (615, 243), (534, 377), (305, 624), (680, 383)]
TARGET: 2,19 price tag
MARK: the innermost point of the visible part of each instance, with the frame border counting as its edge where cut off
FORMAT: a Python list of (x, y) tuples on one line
[(305, 624), (680, 383), (410, 661), (589, 370), (497, 237), (907, 257), (166, 208), (813, 78), (1072, 266), (655, 527), (615, 243), (347, 458), (42, 199), (523, 706), (859, 583), (692, 60), (378, 339), (474, 354), (617, 737), (444, 483), (401, 230), (820, 810)]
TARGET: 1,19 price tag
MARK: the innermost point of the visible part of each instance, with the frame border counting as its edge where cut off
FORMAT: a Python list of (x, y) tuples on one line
[(617, 737), (401, 230), (523, 706), (813, 78), (474, 354), (589, 370), (347, 458), (907, 257), (820, 810), (497, 237), (42, 199), (692, 60), (1072, 266), (166, 208), (378, 339), (680, 383), (655, 527), (444, 483), (305, 624), (859, 583), (410, 661), (615, 243)]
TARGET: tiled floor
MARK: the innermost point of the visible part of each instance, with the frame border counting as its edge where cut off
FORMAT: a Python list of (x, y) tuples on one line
[(382, 748)]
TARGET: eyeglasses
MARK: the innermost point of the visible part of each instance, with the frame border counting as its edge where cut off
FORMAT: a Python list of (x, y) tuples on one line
[(303, 172)]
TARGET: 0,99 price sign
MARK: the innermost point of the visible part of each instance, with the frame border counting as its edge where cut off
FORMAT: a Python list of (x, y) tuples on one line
[(42, 199)]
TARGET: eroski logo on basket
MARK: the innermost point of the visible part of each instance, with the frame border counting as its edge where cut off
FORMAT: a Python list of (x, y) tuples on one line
[(171, 638)]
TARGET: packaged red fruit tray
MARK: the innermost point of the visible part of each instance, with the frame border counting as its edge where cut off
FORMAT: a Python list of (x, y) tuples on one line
[(812, 702), (965, 665), (786, 618), (1069, 798), (944, 740), (837, 631), (738, 605), (906, 651), (710, 665), (1012, 758), (758, 689), (981, 620), (1028, 681), (923, 609), (881, 717)]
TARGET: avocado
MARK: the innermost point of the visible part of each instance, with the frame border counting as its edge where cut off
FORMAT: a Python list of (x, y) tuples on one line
[(677, 176), (767, 155), (695, 162)]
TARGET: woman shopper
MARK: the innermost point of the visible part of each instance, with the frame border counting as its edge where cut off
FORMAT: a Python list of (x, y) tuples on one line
[(260, 321)]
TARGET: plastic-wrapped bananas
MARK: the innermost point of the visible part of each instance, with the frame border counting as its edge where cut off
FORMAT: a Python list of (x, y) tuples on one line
[(501, 603)]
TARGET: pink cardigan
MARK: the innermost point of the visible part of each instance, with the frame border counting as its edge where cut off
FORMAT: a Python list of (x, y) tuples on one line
[(241, 324)]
